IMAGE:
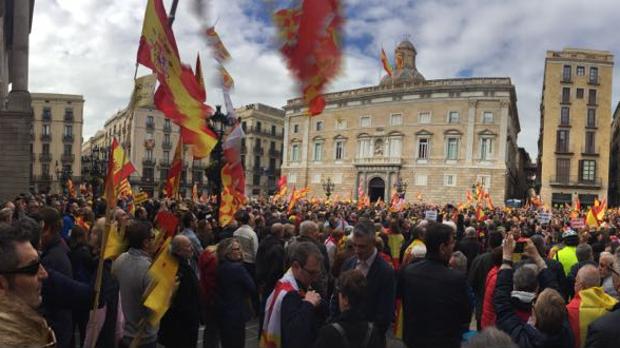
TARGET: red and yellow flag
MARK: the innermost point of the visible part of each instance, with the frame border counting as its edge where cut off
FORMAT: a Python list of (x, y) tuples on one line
[(480, 213), (232, 199), (386, 63), (584, 308), (195, 192), (226, 80), (119, 168), (179, 94), (71, 188), (219, 51), (310, 42), (200, 79), (163, 273), (171, 189)]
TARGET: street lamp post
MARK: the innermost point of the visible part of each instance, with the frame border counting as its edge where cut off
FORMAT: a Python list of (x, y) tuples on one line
[(63, 175), (401, 188), (328, 187), (218, 122)]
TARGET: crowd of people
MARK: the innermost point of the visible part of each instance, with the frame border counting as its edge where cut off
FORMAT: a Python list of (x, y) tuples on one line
[(323, 274)]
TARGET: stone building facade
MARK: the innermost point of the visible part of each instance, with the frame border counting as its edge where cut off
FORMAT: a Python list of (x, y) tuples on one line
[(438, 136), (15, 105), (261, 149), (56, 140), (614, 160), (574, 129)]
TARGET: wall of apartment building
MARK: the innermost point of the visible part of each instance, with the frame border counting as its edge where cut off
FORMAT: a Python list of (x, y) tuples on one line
[(571, 164)]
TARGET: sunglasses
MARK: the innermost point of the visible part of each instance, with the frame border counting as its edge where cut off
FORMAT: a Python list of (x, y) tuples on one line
[(32, 269)]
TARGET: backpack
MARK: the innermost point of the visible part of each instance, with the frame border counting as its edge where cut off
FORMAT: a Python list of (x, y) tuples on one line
[(345, 340)]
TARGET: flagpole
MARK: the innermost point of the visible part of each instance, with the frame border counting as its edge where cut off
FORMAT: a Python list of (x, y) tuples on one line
[(173, 11)]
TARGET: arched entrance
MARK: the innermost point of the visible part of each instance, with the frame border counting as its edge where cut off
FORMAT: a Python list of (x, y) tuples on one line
[(376, 189)]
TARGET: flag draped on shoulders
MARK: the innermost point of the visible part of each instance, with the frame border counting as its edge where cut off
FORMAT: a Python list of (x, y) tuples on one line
[(310, 42), (179, 95), (163, 273), (271, 336), (587, 306)]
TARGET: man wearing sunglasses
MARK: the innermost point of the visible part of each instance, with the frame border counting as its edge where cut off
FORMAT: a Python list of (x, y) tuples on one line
[(21, 273)]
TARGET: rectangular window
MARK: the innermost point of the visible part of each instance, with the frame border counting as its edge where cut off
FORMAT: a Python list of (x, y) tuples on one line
[(396, 119), (272, 146), (565, 116), (579, 93), (150, 121), (364, 148), (257, 162), (319, 126), (590, 143), (449, 180), (487, 117), (421, 180), (562, 141), (453, 117), (395, 147), (45, 169), (273, 130), (69, 114), (316, 178), (46, 129), (47, 114), (256, 179), (425, 117), (166, 156), (68, 130), (167, 124), (452, 151), (486, 148), (339, 150), (318, 151), (588, 170), (295, 153), (258, 126), (592, 97), (423, 148), (485, 181), (562, 169), (581, 71), (68, 149), (565, 95), (593, 75), (46, 148), (295, 128), (591, 118), (566, 73), (365, 122), (167, 138)]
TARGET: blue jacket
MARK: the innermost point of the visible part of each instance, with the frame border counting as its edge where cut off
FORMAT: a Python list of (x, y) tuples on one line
[(234, 287), (524, 334), (379, 305)]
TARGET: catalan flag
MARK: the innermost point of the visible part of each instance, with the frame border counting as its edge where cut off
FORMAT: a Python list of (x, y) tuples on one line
[(171, 188), (163, 276), (119, 168), (232, 199), (179, 94), (386, 63)]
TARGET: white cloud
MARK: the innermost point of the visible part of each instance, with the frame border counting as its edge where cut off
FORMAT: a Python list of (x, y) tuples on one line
[(89, 47)]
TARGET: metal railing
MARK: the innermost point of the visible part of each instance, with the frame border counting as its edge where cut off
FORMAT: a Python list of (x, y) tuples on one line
[(378, 161), (575, 181)]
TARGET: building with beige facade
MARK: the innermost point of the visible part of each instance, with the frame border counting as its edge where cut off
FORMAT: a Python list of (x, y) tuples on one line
[(573, 147), (438, 136), (614, 160), (261, 149), (56, 140)]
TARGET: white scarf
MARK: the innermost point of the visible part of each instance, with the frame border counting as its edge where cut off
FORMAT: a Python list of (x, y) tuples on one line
[(523, 296), (271, 336)]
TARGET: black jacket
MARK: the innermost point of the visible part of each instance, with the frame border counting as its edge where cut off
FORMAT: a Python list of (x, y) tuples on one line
[(526, 335), (234, 286), (179, 326), (471, 247), (356, 330), (269, 263), (604, 332), (436, 305), (381, 292), (300, 321), (476, 278)]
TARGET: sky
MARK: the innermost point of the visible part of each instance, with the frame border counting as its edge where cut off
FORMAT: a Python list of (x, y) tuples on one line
[(88, 47)]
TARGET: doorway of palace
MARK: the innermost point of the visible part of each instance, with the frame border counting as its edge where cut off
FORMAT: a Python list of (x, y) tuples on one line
[(376, 189)]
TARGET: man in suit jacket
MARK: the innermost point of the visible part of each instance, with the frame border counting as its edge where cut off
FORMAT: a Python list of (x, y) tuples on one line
[(436, 306), (379, 306), (603, 332)]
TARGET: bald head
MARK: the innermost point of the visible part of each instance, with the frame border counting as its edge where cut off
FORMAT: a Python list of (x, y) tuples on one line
[(181, 246), (277, 229), (587, 277), (309, 229)]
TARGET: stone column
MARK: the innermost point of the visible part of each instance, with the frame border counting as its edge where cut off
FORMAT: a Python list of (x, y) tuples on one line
[(19, 98), (469, 135)]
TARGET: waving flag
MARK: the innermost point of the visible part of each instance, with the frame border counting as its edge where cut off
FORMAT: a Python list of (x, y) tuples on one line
[(220, 53), (171, 189), (200, 79), (386, 63), (163, 273), (232, 199), (226, 81), (119, 168), (179, 94), (310, 42)]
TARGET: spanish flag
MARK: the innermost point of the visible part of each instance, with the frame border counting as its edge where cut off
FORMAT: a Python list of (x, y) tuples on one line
[(584, 308), (163, 273), (386, 63), (179, 94), (171, 189), (219, 51), (119, 168)]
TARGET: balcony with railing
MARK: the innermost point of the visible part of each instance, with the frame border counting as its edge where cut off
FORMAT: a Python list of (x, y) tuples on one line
[(167, 128), (149, 162), (150, 126), (563, 149), (67, 138), (593, 80), (575, 181), (45, 157), (46, 137), (67, 158), (378, 161), (68, 116), (263, 132), (274, 153), (258, 150), (590, 150), (166, 145)]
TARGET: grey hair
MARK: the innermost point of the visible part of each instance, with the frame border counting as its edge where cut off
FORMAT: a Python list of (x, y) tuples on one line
[(584, 252), (491, 337), (224, 248), (525, 278), (365, 229), (301, 251), (461, 261), (176, 245), (307, 227), (470, 232), (589, 276)]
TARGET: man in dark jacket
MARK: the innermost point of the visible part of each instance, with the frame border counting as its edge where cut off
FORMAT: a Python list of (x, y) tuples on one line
[(479, 269), (550, 328), (470, 246), (436, 307), (269, 266), (54, 256), (379, 307), (604, 332), (179, 326)]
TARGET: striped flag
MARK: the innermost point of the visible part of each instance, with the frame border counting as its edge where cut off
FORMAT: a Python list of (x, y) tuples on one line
[(219, 51), (386, 63), (584, 308)]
